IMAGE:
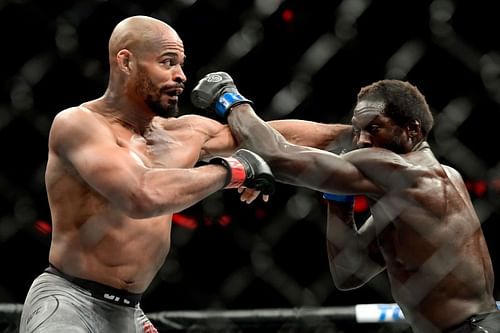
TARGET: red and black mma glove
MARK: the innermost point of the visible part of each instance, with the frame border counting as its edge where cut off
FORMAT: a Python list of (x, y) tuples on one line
[(245, 168), (217, 92)]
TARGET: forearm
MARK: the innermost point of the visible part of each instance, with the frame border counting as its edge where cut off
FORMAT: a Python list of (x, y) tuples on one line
[(293, 164), (348, 252), (251, 132), (166, 191), (341, 235)]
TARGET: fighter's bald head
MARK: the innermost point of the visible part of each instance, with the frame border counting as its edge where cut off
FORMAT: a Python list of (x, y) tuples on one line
[(140, 33)]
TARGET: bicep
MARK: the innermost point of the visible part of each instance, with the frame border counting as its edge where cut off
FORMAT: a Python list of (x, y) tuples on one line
[(314, 134), (219, 140), (104, 167), (94, 154)]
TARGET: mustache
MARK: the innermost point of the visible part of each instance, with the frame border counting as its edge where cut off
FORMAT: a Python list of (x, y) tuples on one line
[(179, 85)]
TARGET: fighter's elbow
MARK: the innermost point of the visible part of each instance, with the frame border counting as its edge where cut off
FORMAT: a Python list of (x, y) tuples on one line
[(139, 205), (343, 281), (353, 277)]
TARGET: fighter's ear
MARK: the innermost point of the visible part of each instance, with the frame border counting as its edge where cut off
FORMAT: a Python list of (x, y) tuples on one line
[(124, 60), (413, 128)]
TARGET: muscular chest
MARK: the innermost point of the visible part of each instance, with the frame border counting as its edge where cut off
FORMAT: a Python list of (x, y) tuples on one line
[(160, 148), (404, 248)]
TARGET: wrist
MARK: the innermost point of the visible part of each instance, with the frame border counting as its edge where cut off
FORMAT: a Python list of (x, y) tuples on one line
[(227, 100), (338, 197), (236, 174)]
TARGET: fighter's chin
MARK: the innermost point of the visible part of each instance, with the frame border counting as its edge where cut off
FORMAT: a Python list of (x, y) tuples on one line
[(169, 111), (165, 110), (171, 106)]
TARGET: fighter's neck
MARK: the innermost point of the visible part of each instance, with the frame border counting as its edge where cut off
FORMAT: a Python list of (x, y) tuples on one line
[(138, 126), (128, 115)]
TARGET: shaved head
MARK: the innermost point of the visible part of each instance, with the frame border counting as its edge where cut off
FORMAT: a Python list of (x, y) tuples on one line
[(146, 57), (140, 34)]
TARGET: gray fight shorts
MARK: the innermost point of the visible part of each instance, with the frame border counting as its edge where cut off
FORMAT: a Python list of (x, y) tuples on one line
[(56, 304)]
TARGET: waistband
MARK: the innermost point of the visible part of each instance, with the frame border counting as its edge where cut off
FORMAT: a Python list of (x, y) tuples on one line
[(99, 290), (468, 324)]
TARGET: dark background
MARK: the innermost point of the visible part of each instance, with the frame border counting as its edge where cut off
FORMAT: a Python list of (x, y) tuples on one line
[(302, 59)]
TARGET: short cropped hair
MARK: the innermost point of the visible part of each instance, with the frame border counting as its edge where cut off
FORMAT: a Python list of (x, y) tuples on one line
[(403, 102)]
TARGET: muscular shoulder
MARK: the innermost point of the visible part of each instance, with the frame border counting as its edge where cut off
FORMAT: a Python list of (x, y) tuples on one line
[(455, 177), (74, 125), (76, 118), (375, 157), (387, 168), (451, 172)]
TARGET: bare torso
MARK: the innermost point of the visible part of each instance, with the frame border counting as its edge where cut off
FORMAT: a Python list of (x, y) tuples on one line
[(92, 238), (432, 243), (424, 230)]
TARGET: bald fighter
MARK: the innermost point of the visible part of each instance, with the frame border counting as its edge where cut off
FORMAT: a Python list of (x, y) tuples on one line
[(118, 167)]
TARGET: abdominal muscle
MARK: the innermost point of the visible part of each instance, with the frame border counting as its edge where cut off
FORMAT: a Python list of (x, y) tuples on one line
[(435, 287), (443, 310), (124, 254)]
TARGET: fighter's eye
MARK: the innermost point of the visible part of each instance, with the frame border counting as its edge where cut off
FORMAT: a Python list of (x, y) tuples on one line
[(373, 128), (167, 62)]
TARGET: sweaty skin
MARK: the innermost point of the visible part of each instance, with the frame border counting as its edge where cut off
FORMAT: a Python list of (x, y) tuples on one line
[(119, 166), (423, 231)]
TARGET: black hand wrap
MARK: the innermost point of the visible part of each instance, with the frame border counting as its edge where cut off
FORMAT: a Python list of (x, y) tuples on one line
[(218, 92), (248, 169)]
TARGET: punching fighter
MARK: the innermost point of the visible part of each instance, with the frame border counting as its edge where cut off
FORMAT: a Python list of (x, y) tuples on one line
[(118, 167), (423, 230)]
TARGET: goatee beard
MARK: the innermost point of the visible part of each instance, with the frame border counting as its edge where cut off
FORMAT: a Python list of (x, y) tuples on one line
[(159, 110)]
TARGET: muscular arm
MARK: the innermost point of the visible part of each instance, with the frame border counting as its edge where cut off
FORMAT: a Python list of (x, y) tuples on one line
[(109, 169), (313, 134), (353, 254), (295, 164), (331, 137)]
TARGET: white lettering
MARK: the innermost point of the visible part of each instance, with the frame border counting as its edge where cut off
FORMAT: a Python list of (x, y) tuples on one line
[(109, 296)]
